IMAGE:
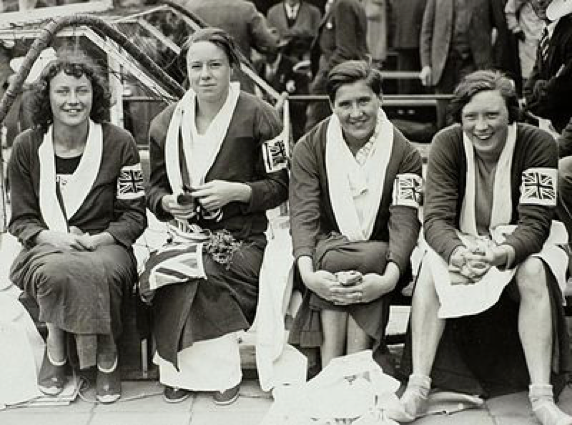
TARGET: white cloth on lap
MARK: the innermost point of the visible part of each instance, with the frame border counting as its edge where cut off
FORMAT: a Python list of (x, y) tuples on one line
[(465, 300)]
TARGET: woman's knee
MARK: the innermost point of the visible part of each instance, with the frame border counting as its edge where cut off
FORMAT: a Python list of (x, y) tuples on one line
[(531, 278)]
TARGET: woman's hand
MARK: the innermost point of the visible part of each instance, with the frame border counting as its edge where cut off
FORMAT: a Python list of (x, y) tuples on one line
[(65, 241), (217, 193), (322, 283), (371, 287), (182, 212)]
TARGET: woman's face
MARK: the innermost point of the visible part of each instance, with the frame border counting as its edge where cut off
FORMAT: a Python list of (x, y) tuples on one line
[(485, 121), (71, 99), (356, 106), (209, 71)]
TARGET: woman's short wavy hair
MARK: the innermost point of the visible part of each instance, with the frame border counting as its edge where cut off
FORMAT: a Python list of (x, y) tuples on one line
[(219, 38), (484, 80), (350, 72), (74, 64)]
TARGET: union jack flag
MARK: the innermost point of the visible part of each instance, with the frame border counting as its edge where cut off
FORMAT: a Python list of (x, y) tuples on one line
[(407, 190), (130, 183), (170, 265), (538, 187), (274, 154)]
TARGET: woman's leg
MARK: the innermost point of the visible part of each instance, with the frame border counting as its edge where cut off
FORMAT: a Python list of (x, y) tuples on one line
[(334, 328), (426, 327), (357, 339), (426, 330), (56, 347), (536, 335), (106, 353)]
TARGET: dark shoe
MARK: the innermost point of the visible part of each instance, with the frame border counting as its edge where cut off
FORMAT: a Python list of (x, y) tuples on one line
[(108, 386), (52, 378), (175, 395), (227, 396)]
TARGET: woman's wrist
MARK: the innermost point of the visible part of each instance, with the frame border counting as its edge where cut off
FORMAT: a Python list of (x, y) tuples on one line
[(306, 269), (242, 192)]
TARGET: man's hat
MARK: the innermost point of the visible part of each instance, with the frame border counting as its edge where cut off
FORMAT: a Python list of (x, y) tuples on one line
[(558, 8)]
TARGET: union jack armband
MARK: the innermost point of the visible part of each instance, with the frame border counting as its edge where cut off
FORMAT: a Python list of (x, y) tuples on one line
[(274, 154), (130, 183), (407, 190), (538, 186)]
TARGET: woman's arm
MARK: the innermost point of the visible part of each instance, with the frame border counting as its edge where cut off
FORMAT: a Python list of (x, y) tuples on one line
[(442, 191), (269, 188), (26, 220), (130, 219), (404, 222)]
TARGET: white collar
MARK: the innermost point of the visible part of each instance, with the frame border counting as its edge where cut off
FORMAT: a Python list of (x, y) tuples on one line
[(551, 27)]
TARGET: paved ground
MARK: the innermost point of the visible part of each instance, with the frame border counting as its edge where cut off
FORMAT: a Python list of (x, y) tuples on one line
[(142, 404)]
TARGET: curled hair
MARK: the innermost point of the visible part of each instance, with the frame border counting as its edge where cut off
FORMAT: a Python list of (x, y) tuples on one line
[(219, 38), (76, 65), (350, 72), (484, 80)]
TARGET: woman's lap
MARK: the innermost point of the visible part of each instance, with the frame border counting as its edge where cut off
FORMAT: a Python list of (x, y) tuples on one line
[(77, 291)]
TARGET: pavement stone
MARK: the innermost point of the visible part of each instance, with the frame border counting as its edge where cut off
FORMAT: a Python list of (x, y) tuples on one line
[(40, 417), (511, 405), (143, 418), (466, 417), (142, 397)]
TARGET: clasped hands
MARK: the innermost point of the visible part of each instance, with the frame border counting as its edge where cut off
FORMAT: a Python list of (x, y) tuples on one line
[(75, 240), (469, 265), (369, 288), (211, 196)]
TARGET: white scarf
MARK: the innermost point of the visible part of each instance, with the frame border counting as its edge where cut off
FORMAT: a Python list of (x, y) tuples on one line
[(502, 195), (79, 184), (183, 124), (345, 176)]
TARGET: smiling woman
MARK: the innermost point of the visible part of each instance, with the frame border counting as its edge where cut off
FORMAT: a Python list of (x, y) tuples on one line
[(354, 200), (493, 263), (77, 207)]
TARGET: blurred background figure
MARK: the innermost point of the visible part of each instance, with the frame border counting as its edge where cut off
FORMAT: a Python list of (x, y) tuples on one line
[(284, 73), (407, 19), (526, 26), (341, 37), (456, 39), (295, 18), (377, 31)]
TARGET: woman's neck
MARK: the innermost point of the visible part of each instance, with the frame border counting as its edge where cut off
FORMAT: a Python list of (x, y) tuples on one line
[(69, 141), (354, 143), (207, 111)]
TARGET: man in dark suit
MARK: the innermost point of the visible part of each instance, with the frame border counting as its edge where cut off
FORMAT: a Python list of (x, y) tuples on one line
[(297, 17), (341, 37), (548, 91), (456, 39)]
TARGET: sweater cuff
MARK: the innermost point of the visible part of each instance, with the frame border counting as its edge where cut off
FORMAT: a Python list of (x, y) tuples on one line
[(302, 251), (157, 208)]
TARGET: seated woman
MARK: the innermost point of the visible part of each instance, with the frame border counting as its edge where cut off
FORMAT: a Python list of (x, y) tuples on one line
[(209, 178), (487, 314), (354, 201), (78, 205)]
